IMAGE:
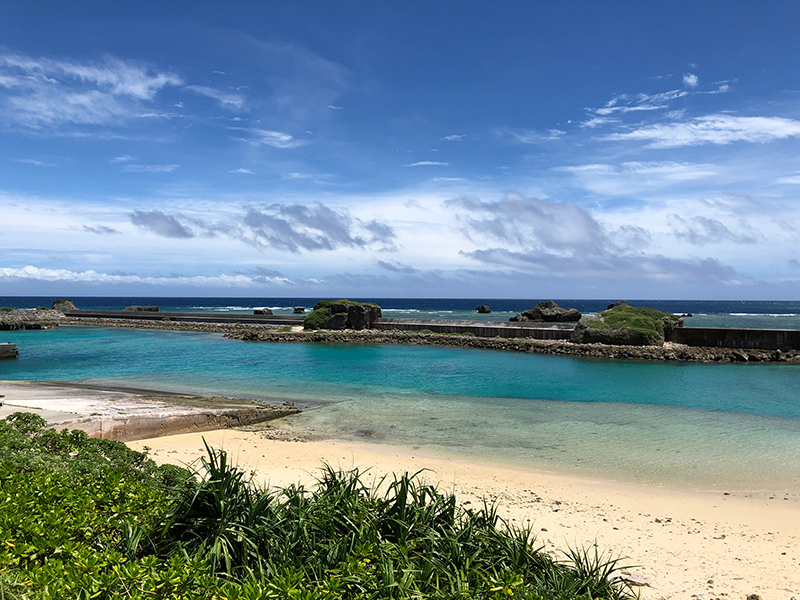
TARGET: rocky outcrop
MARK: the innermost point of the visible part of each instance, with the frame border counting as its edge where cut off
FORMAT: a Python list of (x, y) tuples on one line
[(7, 350), (39, 318), (64, 306), (262, 311), (626, 325), (617, 303), (549, 312), (342, 314), (136, 308), (587, 332), (299, 310), (484, 310)]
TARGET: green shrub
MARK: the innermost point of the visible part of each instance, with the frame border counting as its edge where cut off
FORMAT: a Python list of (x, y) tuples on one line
[(85, 518), (6, 309), (285, 329)]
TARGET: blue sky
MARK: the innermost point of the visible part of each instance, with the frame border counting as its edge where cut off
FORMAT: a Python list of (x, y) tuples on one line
[(443, 149)]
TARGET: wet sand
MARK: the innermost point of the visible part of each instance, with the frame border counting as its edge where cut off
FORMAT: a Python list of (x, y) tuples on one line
[(124, 413)]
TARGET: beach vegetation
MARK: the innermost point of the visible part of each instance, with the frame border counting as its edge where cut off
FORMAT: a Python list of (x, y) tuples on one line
[(284, 329), (89, 518), (6, 309)]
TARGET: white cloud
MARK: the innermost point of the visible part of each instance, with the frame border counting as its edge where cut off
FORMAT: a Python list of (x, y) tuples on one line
[(334, 107), (633, 178), (448, 179), (34, 162), (597, 122), (134, 168), (690, 80), (92, 276), (717, 129), (609, 110), (226, 99), (244, 171), (536, 137), (44, 92), (793, 180), (456, 137), (428, 163), (122, 159), (275, 139)]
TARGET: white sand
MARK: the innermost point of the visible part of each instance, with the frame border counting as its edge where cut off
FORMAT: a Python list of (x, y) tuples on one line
[(689, 544)]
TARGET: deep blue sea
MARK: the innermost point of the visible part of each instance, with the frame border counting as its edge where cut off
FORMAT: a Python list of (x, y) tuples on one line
[(705, 313), (691, 425)]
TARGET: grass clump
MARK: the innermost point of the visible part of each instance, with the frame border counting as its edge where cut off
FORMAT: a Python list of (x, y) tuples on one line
[(83, 518), (284, 329)]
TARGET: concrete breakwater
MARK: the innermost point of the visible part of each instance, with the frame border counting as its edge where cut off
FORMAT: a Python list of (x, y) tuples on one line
[(186, 317), (539, 331), (669, 351), (718, 337)]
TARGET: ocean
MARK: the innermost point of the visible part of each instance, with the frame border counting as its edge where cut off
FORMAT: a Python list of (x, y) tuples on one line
[(705, 313), (698, 426)]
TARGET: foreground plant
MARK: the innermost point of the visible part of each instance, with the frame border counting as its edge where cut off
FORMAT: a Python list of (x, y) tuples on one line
[(82, 518)]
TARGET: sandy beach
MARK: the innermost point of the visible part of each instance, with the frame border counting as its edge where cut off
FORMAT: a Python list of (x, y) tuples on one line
[(681, 544), (686, 544)]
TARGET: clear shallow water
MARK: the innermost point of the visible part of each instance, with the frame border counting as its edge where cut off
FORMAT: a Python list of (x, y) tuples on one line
[(682, 424)]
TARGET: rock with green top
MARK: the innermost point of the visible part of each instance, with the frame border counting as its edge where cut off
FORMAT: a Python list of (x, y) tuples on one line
[(626, 325), (342, 314), (64, 306)]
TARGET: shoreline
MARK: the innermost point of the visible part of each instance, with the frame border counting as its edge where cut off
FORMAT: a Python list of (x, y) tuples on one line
[(743, 543)]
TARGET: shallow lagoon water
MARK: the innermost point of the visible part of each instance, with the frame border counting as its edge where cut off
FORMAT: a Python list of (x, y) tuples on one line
[(702, 426)]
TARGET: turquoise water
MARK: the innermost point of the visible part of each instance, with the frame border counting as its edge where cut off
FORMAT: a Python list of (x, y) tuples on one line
[(684, 424)]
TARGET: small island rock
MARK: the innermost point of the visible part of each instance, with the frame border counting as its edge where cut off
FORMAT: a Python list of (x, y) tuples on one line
[(262, 311), (549, 312), (342, 314), (64, 306), (484, 309)]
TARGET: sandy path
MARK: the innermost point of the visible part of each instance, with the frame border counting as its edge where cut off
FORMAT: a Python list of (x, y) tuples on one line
[(702, 545)]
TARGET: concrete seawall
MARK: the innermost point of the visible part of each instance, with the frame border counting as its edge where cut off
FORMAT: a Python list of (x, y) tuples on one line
[(188, 317), (754, 339), (538, 331)]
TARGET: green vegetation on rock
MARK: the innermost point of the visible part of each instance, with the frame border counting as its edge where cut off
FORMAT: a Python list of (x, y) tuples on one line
[(624, 324), (85, 518)]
